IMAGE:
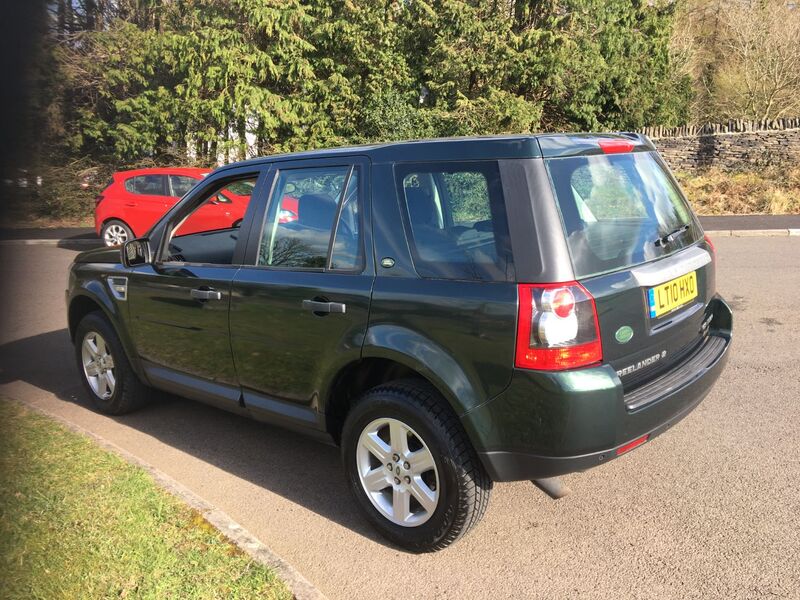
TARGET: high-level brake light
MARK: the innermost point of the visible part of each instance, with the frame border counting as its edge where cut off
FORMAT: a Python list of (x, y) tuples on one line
[(615, 146)]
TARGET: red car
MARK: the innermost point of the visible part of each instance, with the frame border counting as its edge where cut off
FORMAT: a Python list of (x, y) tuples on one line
[(134, 200)]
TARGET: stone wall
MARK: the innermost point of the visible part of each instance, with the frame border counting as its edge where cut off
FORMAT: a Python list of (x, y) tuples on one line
[(733, 146)]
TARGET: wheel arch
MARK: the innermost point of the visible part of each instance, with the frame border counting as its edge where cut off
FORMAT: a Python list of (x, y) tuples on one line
[(115, 218), (93, 297), (391, 353), (80, 306)]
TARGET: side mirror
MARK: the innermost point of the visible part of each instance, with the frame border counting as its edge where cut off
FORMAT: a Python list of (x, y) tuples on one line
[(136, 252)]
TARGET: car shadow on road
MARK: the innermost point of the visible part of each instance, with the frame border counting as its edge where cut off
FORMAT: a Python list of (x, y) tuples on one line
[(80, 242), (302, 470)]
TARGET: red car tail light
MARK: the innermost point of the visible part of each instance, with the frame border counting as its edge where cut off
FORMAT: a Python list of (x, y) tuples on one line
[(98, 199), (557, 327), (710, 245)]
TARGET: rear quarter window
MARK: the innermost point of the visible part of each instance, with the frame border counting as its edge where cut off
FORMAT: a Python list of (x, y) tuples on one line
[(456, 221)]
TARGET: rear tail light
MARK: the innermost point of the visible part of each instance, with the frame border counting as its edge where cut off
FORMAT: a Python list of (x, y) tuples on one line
[(710, 245), (557, 327), (98, 199)]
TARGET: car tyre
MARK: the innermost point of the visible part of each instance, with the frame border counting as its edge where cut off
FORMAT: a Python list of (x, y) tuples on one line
[(373, 437), (115, 233), (105, 370)]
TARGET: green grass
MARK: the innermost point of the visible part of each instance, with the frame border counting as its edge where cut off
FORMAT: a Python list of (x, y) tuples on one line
[(79, 522)]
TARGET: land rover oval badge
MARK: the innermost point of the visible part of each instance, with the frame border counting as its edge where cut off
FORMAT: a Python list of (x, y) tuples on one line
[(624, 334)]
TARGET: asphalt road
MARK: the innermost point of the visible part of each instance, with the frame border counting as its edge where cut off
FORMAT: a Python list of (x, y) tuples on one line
[(65, 234), (709, 510), (745, 222)]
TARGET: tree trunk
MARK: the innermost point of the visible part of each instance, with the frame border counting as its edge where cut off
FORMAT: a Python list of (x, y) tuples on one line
[(241, 131)]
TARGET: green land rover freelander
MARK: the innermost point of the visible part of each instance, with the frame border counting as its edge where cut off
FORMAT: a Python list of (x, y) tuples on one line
[(451, 313)]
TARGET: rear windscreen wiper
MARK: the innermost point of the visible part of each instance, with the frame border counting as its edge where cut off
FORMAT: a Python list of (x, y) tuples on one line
[(672, 235)]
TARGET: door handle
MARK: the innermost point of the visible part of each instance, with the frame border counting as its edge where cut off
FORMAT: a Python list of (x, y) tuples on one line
[(324, 307), (206, 294)]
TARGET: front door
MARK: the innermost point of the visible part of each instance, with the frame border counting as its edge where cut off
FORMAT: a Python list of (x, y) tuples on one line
[(299, 306), (179, 304)]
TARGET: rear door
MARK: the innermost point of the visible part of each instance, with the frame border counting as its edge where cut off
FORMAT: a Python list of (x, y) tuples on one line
[(638, 249), (300, 304), (146, 201)]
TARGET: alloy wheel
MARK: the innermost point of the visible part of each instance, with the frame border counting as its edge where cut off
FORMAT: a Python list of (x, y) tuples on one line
[(115, 235), (397, 471), (98, 365)]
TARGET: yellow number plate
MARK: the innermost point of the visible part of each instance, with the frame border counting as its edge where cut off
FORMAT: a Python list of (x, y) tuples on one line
[(668, 296)]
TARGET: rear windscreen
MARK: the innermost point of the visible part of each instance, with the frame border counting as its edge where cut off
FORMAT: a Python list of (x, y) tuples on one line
[(619, 210)]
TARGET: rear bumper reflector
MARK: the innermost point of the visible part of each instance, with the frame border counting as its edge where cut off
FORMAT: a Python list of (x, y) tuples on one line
[(631, 445)]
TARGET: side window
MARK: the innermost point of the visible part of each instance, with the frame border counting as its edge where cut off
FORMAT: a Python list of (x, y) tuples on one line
[(181, 184), (151, 185), (209, 233), (457, 220), (300, 220)]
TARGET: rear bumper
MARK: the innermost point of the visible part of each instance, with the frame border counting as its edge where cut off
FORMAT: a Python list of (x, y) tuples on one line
[(547, 424)]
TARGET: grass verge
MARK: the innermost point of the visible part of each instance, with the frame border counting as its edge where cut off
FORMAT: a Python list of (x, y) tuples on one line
[(78, 521), (769, 191)]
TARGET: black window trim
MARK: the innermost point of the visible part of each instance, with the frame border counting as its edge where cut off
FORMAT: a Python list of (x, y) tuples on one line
[(337, 217)]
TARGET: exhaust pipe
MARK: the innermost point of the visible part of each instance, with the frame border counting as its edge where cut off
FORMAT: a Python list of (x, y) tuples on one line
[(552, 486)]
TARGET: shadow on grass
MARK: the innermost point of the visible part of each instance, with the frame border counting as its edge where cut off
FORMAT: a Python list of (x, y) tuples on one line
[(304, 471)]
